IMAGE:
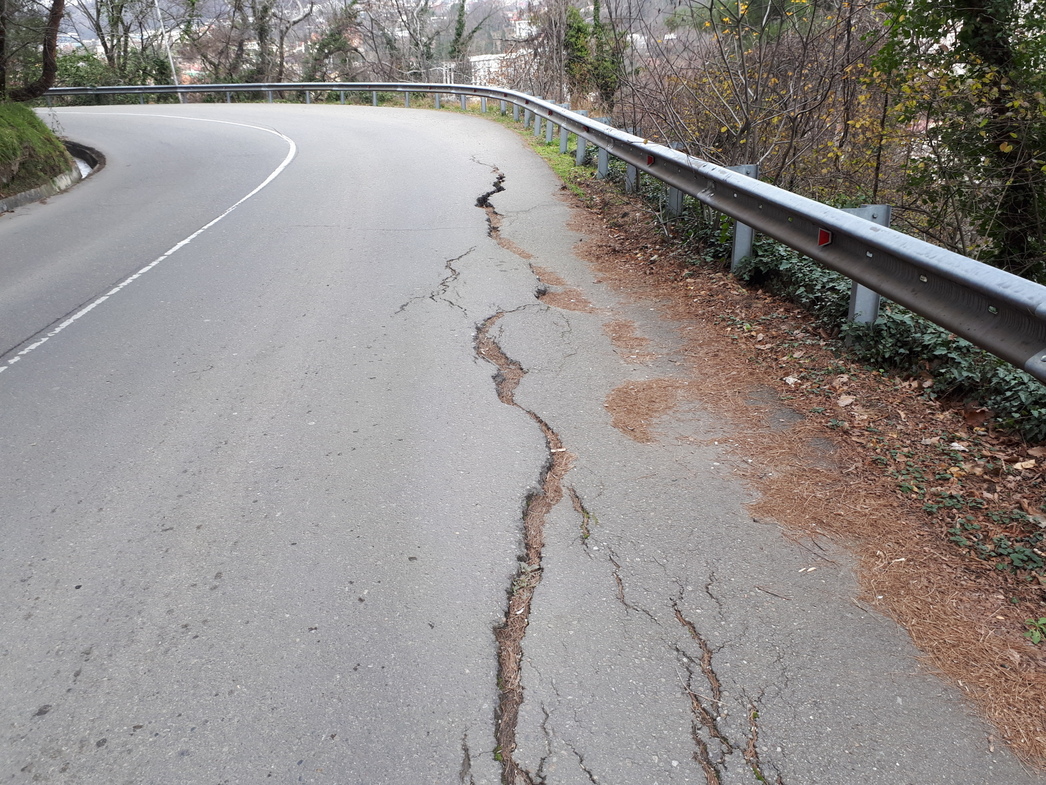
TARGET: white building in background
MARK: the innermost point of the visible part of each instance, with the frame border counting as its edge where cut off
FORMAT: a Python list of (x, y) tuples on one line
[(486, 69), (500, 70), (522, 29)]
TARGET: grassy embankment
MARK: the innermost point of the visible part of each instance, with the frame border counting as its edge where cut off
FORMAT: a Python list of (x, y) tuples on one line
[(30, 154)]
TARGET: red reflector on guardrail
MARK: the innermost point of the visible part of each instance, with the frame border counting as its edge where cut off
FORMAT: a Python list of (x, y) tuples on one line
[(824, 237), (650, 160)]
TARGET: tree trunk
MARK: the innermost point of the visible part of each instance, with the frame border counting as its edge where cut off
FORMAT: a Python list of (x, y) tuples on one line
[(49, 68), (3, 49)]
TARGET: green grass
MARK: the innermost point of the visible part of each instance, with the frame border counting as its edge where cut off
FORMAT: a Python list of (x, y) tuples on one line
[(30, 154), (562, 165)]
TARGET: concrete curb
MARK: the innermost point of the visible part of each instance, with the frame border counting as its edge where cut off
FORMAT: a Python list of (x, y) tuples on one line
[(60, 183)]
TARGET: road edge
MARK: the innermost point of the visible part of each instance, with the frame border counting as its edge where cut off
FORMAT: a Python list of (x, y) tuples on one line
[(57, 185)]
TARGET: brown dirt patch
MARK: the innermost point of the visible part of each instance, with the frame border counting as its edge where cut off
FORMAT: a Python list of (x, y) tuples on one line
[(627, 342), (548, 277), (567, 299), (859, 456), (563, 296), (634, 406)]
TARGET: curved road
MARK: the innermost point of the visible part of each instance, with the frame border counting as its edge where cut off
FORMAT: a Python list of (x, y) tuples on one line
[(263, 503)]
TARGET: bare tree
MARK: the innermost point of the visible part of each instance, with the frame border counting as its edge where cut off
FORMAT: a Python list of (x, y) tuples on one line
[(543, 70), (787, 85), (246, 40), (46, 39), (129, 34), (399, 38), (333, 52)]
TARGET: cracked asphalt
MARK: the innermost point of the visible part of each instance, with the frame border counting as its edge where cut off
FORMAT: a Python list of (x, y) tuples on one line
[(331, 496)]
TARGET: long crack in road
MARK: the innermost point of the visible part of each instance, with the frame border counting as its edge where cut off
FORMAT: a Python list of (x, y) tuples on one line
[(510, 633)]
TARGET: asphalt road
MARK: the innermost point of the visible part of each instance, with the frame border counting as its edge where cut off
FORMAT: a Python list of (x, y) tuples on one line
[(261, 505)]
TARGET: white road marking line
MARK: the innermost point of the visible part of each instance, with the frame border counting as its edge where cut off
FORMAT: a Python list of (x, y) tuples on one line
[(291, 153)]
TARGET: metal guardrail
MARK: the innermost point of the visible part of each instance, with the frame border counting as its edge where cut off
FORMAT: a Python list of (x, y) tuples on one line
[(993, 309)]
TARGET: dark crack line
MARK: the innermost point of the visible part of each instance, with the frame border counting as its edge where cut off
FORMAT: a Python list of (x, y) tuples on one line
[(494, 218), (465, 775), (547, 717), (709, 719), (483, 201), (619, 581), (509, 634), (703, 759), (439, 293), (703, 717), (751, 750), (588, 519), (706, 654), (581, 764), (708, 591)]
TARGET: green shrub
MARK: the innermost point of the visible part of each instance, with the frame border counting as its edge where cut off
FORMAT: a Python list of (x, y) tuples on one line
[(779, 269), (906, 343), (903, 342)]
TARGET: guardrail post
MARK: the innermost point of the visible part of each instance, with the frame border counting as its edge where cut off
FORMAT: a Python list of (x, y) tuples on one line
[(228, 97), (563, 134), (864, 302), (537, 124), (341, 97), (406, 99), (268, 96), (437, 100), (141, 99), (743, 235), (464, 102), (374, 98), (483, 104), (308, 97), (515, 113), (582, 145), (603, 155), (504, 107), (631, 179), (631, 173), (675, 201), (549, 130), (675, 196)]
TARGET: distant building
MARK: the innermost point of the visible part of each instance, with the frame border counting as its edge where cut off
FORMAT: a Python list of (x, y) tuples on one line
[(498, 70), (522, 29)]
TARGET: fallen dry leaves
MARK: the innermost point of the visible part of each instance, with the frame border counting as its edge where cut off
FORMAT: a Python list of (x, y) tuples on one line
[(859, 456)]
